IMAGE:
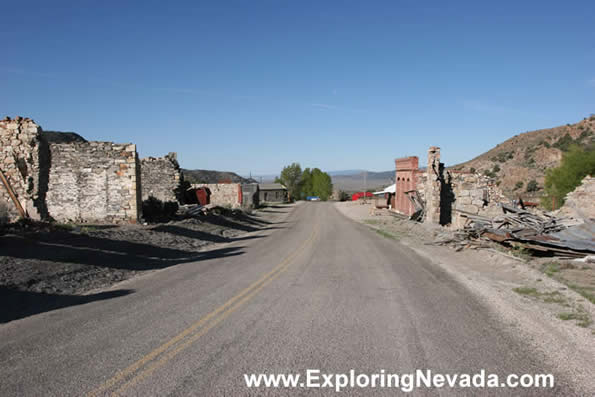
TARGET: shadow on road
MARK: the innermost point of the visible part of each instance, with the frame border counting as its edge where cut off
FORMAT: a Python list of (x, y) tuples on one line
[(200, 235), (18, 304), (116, 254)]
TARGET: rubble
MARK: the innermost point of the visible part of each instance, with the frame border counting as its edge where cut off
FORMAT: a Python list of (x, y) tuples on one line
[(536, 231)]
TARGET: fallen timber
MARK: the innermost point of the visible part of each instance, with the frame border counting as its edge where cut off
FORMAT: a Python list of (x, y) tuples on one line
[(541, 233)]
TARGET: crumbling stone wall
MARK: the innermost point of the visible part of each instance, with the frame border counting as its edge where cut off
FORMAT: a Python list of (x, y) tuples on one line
[(23, 160), (580, 203), (161, 178), (449, 194), (433, 185), (94, 182), (224, 194), (475, 194)]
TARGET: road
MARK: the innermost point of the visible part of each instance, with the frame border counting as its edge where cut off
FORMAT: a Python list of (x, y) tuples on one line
[(318, 292)]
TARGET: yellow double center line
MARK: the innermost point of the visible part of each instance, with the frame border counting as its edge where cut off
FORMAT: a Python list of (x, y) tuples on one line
[(161, 355)]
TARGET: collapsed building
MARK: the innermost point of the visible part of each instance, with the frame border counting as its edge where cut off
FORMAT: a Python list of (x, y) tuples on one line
[(66, 178), (161, 178), (440, 196)]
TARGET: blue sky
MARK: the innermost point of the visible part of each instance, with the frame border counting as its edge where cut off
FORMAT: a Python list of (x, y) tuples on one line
[(250, 86)]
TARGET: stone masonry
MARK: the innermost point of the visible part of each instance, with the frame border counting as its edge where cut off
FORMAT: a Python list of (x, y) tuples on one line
[(94, 182), (449, 194), (161, 177), (77, 181), (580, 203), (224, 194), (475, 194), (432, 189), (20, 153)]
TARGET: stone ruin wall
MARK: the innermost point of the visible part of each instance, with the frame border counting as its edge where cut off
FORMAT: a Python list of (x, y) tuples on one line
[(20, 153), (446, 192), (223, 194), (161, 178), (580, 203), (475, 194), (432, 188), (80, 181), (94, 182)]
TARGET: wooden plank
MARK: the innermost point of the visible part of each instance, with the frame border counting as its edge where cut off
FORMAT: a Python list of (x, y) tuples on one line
[(12, 195)]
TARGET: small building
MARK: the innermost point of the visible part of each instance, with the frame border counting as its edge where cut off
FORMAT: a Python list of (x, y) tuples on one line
[(387, 196), (250, 196), (272, 193)]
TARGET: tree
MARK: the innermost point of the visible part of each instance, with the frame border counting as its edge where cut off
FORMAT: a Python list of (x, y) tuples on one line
[(322, 185), (576, 164), (310, 182), (291, 178), (307, 187)]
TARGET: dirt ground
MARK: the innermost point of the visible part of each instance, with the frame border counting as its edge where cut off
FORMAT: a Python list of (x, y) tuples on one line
[(537, 297), (45, 266)]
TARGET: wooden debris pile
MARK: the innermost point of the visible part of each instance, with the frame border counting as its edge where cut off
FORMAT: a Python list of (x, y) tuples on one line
[(539, 232)]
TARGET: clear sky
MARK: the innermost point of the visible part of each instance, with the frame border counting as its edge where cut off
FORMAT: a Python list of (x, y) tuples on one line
[(250, 86)]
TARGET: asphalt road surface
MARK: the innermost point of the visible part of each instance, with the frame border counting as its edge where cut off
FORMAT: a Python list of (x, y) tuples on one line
[(318, 292)]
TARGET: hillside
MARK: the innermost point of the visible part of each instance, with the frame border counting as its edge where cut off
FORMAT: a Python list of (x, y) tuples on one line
[(210, 176), (525, 157), (62, 137)]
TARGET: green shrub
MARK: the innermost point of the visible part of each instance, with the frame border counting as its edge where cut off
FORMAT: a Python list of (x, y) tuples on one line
[(489, 174), (502, 157), (532, 186), (576, 164), (518, 185), (496, 169), (566, 141)]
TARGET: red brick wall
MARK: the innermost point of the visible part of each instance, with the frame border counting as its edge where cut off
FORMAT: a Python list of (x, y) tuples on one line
[(405, 179)]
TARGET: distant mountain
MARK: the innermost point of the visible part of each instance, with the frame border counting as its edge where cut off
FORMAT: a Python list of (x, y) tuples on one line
[(211, 176), (353, 181), (344, 172), (62, 137), (525, 157), (270, 178)]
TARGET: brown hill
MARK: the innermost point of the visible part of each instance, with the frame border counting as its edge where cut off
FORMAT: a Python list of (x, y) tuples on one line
[(523, 158), (211, 176)]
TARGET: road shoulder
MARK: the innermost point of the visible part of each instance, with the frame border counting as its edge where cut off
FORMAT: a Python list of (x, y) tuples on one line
[(529, 302)]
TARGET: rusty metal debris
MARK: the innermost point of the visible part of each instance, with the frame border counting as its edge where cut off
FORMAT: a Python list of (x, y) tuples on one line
[(537, 231)]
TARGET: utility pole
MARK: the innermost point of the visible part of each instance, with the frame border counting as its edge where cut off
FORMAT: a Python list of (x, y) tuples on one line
[(365, 187)]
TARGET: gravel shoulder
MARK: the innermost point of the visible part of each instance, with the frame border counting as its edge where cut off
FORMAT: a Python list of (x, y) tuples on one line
[(48, 266), (555, 321)]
